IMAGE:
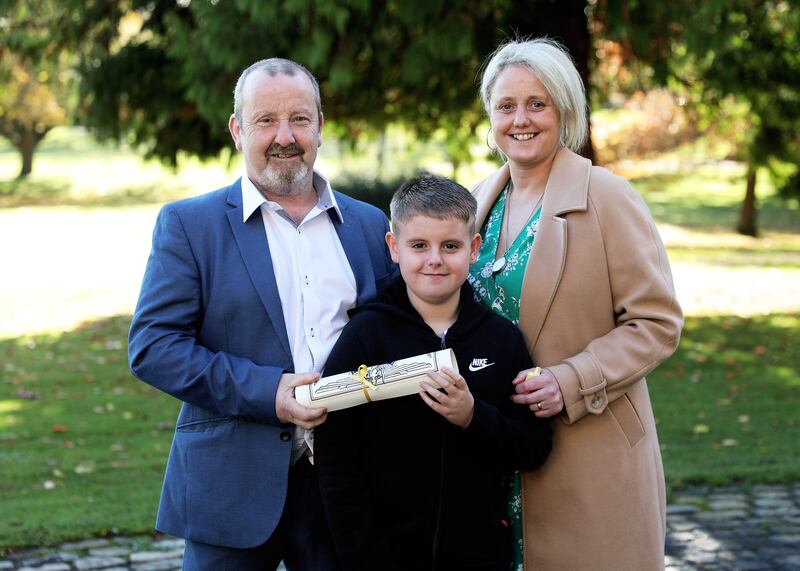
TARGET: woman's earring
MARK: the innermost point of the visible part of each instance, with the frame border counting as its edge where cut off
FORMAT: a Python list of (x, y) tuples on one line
[(491, 148)]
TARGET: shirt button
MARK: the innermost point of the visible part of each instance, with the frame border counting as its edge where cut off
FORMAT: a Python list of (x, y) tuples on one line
[(286, 436)]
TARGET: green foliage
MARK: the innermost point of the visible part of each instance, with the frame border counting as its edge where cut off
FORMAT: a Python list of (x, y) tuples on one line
[(163, 71), (721, 51), (37, 88), (791, 187)]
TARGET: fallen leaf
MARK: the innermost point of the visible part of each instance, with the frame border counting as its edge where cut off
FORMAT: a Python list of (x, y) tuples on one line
[(759, 350), (60, 428), (27, 395), (84, 468), (744, 418), (700, 428), (730, 442), (49, 485)]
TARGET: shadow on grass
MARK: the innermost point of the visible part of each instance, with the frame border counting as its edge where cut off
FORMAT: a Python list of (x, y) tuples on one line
[(768, 258), (726, 403), (83, 445), (710, 201), (21, 192)]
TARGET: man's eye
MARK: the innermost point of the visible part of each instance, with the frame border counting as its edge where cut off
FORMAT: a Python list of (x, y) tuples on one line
[(505, 107), (451, 246), (302, 120), (418, 245)]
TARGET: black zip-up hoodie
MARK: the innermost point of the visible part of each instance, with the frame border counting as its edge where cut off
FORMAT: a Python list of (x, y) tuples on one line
[(403, 488)]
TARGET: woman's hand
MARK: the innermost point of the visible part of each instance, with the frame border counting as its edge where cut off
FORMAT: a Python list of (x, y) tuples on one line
[(456, 403), (540, 392)]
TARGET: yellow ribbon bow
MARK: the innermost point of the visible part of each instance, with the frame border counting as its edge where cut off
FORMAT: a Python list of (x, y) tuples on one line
[(365, 384), (534, 373)]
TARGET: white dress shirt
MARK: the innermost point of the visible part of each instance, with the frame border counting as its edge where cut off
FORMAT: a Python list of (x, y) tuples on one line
[(315, 282)]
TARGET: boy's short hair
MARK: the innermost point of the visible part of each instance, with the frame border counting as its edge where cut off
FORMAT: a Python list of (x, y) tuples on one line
[(433, 196)]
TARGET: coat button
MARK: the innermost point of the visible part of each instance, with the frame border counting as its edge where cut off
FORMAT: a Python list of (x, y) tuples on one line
[(286, 436), (597, 402)]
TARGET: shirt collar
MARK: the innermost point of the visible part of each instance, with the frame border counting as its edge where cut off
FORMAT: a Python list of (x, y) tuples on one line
[(252, 199)]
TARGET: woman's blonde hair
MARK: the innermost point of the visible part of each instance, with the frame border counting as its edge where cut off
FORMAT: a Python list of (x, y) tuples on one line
[(550, 62)]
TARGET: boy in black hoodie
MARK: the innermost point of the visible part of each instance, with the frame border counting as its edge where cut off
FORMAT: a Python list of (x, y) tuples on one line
[(417, 483)]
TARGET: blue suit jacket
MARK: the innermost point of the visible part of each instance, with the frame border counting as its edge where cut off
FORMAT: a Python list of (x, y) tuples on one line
[(209, 330)]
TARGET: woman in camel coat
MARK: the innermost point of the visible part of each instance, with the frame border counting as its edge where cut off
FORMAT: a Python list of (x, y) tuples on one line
[(572, 255)]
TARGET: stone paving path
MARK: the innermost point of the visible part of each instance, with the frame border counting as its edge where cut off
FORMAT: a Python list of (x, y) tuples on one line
[(720, 529)]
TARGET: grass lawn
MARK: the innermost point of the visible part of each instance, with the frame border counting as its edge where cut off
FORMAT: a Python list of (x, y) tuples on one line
[(726, 403), (83, 445)]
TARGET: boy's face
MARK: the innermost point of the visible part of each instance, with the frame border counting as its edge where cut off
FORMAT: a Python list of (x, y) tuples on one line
[(434, 256)]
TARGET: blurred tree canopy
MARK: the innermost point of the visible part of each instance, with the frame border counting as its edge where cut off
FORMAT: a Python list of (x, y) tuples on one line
[(35, 86), (747, 50), (162, 72)]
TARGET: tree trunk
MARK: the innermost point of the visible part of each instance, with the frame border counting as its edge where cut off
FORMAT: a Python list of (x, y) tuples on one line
[(568, 25), (747, 215), (26, 147)]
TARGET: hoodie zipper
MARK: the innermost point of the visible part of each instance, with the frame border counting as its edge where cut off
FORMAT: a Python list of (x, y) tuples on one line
[(442, 345)]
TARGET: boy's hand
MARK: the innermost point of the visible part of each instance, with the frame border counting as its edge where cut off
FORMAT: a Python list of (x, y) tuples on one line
[(456, 403)]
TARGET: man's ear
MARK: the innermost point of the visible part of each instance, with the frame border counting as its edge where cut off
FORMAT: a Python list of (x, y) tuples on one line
[(319, 134), (391, 241), (474, 248), (235, 129)]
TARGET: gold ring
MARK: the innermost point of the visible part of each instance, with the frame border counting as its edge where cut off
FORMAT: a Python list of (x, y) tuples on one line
[(539, 404)]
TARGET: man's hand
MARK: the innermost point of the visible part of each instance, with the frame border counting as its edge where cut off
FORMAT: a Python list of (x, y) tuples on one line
[(456, 403), (289, 410)]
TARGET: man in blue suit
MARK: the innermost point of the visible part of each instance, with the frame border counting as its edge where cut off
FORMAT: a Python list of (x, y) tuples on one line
[(245, 293)]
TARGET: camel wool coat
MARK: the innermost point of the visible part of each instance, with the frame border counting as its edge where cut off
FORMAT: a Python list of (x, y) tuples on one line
[(598, 309)]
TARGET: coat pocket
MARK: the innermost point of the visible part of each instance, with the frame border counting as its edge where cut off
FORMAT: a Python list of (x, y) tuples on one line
[(627, 418), (204, 424)]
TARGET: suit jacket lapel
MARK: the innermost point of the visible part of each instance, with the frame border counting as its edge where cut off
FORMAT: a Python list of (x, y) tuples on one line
[(251, 238), (355, 248)]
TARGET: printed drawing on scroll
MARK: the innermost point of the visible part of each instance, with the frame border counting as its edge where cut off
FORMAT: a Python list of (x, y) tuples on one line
[(377, 375)]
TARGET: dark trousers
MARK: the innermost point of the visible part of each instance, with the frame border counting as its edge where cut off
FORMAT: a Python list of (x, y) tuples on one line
[(302, 539)]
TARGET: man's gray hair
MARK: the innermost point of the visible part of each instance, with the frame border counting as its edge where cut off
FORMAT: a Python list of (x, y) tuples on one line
[(433, 196), (550, 62), (272, 67)]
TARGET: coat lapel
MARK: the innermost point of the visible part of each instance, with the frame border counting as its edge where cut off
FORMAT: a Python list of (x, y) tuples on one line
[(567, 191), (355, 248), (251, 238)]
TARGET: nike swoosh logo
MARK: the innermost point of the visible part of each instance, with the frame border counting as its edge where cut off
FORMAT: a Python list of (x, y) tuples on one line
[(474, 368)]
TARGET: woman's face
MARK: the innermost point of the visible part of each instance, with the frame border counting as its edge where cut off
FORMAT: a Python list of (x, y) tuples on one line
[(525, 121)]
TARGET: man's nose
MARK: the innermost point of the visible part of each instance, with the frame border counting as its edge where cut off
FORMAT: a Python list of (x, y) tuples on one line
[(285, 136)]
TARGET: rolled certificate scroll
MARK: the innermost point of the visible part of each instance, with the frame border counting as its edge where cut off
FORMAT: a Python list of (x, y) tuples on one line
[(379, 382)]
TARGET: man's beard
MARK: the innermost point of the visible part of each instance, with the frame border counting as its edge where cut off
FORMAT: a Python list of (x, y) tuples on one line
[(290, 180)]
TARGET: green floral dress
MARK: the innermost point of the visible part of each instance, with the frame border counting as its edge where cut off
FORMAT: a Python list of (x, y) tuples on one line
[(501, 291)]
